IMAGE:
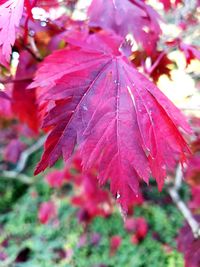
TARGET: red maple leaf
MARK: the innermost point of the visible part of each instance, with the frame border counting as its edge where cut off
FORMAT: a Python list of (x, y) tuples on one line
[(120, 120), (26, 111), (124, 17)]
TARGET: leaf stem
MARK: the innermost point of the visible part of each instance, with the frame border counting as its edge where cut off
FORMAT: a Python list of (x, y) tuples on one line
[(186, 212), (26, 154)]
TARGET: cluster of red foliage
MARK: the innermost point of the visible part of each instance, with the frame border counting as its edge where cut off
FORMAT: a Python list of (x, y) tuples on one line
[(91, 199)]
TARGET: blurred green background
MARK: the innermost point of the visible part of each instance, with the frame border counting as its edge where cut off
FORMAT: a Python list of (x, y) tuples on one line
[(25, 242)]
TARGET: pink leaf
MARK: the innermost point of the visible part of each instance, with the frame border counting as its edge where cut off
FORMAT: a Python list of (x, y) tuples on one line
[(130, 225), (4, 95), (10, 15), (13, 150), (56, 178)]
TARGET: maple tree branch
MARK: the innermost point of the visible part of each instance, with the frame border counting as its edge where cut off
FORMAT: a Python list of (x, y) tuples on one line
[(178, 177), (155, 64), (16, 173), (39, 59), (26, 154), (34, 48), (13, 175), (186, 212)]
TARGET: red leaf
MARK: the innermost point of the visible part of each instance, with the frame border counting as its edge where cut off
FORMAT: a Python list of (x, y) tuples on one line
[(141, 228), (120, 119), (138, 226), (190, 52), (189, 246), (134, 239), (130, 225), (26, 111), (47, 212), (10, 16), (92, 200), (57, 177), (160, 65), (169, 4), (125, 17), (115, 243)]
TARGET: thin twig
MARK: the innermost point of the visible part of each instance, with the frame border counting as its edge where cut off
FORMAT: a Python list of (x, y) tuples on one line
[(157, 61), (179, 177), (186, 212), (34, 48), (39, 59), (16, 173), (26, 154), (17, 176)]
